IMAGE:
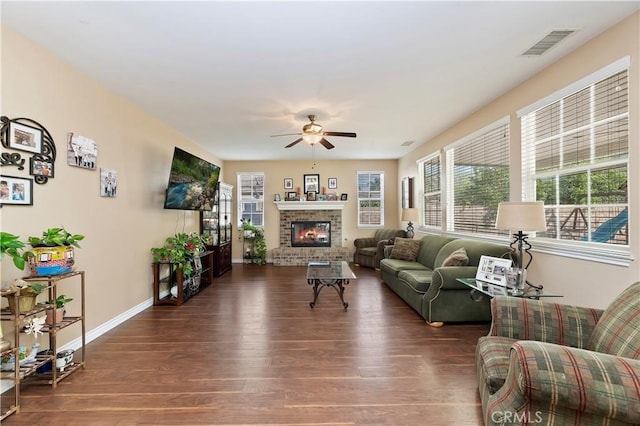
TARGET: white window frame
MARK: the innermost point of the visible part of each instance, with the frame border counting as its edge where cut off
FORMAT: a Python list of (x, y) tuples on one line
[(380, 199), (241, 201), (449, 177), (604, 253), (426, 196)]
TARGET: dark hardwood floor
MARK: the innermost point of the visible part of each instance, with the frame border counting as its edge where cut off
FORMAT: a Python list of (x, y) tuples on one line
[(249, 350)]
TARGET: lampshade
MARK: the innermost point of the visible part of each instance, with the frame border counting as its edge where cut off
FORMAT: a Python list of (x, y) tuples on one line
[(410, 215), (521, 216)]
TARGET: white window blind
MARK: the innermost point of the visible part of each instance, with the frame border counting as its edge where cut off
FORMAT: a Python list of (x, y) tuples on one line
[(575, 155), (431, 183), (370, 199), (251, 198), (478, 170)]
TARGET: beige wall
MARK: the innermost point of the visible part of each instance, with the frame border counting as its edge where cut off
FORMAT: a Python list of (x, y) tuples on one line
[(119, 231), (344, 171), (582, 282)]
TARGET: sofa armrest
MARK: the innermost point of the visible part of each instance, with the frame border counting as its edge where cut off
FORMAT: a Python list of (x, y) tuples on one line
[(552, 380), (445, 277), (527, 319), (364, 242)]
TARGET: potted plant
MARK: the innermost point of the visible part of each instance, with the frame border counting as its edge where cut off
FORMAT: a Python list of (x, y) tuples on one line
[(28, 293), (53, 251), (56, 315), (180, 250), (259, 245), (11, 245)]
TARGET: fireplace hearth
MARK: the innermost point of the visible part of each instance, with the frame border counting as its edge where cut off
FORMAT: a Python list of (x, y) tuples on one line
[(311, 233)]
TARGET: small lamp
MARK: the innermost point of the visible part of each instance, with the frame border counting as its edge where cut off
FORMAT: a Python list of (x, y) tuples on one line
[(409, 215), (523, 217)]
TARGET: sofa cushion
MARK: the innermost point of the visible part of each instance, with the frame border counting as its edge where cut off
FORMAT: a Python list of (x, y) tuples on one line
[(618, 330), (474, 249), (418, 279), (367, 251), (405, 249), (492, 359), (457, 258)]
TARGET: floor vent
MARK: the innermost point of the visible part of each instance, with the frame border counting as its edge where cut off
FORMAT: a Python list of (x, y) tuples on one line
[(550, 40)]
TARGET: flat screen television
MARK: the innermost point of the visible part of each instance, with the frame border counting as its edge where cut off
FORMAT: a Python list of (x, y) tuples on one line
[(192, 182)]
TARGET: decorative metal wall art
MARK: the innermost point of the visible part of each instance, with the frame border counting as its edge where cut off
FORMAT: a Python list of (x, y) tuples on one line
[(27, 135)]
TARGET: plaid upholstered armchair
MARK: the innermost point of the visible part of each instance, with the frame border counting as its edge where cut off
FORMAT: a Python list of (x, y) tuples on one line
[(553, 364), (370, 250)]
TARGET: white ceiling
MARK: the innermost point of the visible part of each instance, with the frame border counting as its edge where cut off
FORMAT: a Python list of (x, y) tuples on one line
[(228, 74)]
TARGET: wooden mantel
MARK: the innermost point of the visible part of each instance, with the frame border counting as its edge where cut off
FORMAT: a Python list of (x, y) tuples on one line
[(310, 205)]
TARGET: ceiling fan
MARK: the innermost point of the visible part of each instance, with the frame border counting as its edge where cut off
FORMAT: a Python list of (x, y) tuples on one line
[(312, 134)]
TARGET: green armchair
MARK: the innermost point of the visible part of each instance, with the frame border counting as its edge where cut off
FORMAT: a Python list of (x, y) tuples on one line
[(553, 364), (370, 250)]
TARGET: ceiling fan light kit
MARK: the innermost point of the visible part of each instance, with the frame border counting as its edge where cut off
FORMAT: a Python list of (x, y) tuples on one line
[(312, 134)]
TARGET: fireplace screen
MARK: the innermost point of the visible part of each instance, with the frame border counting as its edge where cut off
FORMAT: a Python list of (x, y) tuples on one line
[(311, 234)]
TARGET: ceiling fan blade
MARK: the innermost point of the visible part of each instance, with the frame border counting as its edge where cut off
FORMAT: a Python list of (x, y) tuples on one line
[(326, 143), (343, 134), (293, 143), (287, 134)]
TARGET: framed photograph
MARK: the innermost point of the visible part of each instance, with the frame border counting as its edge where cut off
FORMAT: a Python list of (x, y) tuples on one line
[(333, 183), (311, 196), (311, 183), (108, 182), (331, 196), (407, 193), (276, 197), (292, 196), (288, 183), (343, 197), (493, 270), (16, 191), (321, 197), (25, 138), (40, 167), (81, 151)]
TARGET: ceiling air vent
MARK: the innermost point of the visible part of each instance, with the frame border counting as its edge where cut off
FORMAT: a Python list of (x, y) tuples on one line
[(550, 40), (407, 143)]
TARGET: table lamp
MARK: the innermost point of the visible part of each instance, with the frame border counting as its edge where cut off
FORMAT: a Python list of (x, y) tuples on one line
[(409, 215), (521, 217)]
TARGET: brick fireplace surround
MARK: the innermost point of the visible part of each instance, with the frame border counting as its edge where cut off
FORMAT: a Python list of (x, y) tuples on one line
[(291, 211)]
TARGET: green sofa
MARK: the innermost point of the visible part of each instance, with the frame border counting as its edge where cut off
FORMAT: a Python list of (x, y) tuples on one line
[(370, 250), (432, 290), (548, 363)]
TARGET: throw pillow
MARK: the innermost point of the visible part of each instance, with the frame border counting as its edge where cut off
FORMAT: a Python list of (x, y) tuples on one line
[(405, 249), (457, 258)]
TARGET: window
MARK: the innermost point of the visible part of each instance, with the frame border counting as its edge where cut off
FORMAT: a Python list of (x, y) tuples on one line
[(370, 199), (575, 153), (251, 198), (478, 179), (432, 201)]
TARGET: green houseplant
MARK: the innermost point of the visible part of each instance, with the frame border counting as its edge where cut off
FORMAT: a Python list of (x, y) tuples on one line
[(53, 251), (56, 315), (27, 292), (11, 245), (256, 235), (180, 250)]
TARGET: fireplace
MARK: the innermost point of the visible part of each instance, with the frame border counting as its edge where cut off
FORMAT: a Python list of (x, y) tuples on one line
[(311, 233)]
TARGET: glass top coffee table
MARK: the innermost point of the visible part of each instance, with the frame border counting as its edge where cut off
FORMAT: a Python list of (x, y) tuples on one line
[(336, 274), (492, 290)]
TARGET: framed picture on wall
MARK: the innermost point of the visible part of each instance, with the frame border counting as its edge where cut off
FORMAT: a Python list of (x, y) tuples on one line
[(16, 190), (288, 183), (333, 183), (25, 138), (311, 183), (407, 193)]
